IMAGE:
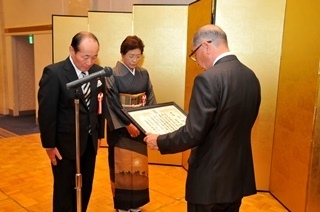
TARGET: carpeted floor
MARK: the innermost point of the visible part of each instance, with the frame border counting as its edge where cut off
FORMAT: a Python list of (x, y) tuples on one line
[(17, 125)]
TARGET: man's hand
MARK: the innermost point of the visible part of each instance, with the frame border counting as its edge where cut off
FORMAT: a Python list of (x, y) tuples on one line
[(54, 153), (151, 140)]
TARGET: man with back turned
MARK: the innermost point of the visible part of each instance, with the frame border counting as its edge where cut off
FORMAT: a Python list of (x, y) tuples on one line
[(223, 107)]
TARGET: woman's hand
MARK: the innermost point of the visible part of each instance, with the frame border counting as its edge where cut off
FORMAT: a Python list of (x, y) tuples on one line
[(133, 130)]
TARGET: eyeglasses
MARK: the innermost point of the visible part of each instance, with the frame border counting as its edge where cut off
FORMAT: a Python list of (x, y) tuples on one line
[(192, 55)]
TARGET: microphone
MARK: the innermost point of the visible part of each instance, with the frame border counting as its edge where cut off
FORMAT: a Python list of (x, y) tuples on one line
[(105, 72)]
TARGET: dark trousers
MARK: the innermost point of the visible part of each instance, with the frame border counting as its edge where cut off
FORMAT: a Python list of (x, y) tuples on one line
[(218, 207), (64, 192)]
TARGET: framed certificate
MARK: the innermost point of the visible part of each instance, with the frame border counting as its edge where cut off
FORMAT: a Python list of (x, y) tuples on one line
[(157, 119)]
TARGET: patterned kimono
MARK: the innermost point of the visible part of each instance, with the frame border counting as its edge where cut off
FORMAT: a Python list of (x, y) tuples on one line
[(128, 158)]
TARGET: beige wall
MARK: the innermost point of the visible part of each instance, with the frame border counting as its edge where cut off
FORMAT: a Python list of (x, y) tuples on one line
[(3, 84), (42, 57), (33, 12), (9, 76), (39, 12), (35, 18)]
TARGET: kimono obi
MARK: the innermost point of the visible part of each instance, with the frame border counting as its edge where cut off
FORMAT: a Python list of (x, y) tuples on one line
[(133, 100)]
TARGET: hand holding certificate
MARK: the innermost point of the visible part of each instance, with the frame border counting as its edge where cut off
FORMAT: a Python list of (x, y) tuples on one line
[(151, 140), (156, 120)]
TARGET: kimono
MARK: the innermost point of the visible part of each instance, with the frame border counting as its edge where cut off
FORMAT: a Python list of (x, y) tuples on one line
[(128, 157)]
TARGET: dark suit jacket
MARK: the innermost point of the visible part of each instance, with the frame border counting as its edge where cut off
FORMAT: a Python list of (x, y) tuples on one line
[(223, 108), (57, 109)]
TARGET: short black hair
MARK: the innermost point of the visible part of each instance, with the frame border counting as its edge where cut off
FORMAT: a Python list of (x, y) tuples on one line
[(76, 40)]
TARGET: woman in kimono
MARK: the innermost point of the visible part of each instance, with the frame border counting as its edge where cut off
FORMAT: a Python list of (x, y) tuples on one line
[(129, 86)]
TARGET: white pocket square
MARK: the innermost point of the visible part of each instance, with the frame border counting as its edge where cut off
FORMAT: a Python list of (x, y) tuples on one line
[(99, 83)]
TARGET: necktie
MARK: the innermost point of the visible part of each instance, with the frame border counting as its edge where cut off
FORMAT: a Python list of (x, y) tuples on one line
[(86, 90)]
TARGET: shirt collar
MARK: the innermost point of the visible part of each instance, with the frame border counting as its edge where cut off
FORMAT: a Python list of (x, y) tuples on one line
[(221, 56), (77, 70), (133, 72)]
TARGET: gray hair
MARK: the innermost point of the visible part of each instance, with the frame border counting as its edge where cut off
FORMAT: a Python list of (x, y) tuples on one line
[(211, 33)]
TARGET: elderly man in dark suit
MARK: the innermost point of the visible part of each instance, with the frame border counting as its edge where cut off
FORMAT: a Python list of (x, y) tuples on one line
[(223, 108), (57, 120)]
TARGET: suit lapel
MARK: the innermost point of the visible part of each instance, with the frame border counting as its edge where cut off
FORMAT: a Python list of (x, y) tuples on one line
[(70, 72), (71, 75)]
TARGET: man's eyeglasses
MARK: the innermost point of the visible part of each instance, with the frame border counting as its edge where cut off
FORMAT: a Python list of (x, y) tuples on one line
[(192, 55)]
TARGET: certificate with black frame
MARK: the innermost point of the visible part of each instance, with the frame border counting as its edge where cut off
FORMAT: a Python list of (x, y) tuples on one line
[(157, 119)]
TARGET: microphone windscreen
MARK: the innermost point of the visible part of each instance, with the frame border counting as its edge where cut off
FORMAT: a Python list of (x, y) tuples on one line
[(108, 71)]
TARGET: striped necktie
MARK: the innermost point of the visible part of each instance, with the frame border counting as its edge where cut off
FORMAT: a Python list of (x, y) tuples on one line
[(86, 90), (87, 93)]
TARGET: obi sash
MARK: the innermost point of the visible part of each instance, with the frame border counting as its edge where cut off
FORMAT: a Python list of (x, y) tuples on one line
[(133, 100)]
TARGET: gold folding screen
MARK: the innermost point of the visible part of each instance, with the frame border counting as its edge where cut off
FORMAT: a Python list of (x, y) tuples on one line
[(256, 39), (63, 29), (166, 33), (165, 56), (111, 28)]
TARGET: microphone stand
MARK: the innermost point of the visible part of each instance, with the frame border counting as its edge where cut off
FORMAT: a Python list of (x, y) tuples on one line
[(107, 71), (78, 176)]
